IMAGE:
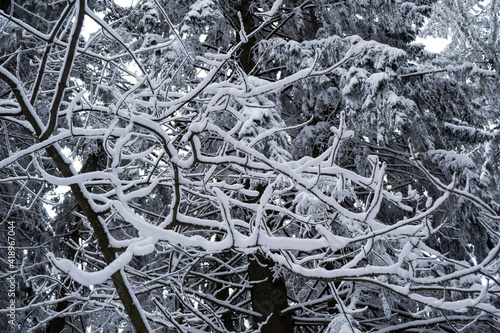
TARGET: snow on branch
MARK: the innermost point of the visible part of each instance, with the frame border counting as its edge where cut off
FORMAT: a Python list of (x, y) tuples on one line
[(187, 177)]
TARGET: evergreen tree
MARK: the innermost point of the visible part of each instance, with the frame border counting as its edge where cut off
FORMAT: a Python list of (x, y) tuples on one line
[(247, 166)]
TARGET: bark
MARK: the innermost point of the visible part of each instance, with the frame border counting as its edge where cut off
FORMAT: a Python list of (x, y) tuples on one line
[(57, 324), (231, 10), (130, 303), (223, 295), (119, 279), (268, 296)]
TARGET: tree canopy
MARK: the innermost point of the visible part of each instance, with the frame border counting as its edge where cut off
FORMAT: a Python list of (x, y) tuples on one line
[(249, 166)]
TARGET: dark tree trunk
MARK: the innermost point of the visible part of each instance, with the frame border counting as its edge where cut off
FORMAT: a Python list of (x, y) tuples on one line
[(227, 318), (268, 297), (93, 163), (57, 324), (119, 279)]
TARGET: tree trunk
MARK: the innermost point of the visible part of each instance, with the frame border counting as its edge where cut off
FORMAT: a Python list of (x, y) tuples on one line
[(57, 324), (268, 297), (128, 299)]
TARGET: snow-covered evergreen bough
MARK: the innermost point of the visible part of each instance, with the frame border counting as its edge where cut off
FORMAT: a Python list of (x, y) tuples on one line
[(204, 166)]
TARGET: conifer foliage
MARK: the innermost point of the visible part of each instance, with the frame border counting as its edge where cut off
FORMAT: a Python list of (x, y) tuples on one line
[(249, 166)]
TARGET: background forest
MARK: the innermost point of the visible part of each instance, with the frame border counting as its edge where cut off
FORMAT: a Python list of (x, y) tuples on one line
[(249, 166)]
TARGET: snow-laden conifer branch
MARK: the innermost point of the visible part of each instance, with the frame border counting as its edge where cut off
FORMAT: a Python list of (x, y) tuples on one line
[(193, 181)]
